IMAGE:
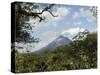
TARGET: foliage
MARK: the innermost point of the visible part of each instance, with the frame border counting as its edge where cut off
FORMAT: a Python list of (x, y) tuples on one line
[(80, 54), (23, 12), (94, 11)]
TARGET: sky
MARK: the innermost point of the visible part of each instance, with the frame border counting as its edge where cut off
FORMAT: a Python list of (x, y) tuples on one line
[(69, 21)]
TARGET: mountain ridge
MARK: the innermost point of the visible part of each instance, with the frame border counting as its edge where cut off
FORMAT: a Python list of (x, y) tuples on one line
[(59, 41)]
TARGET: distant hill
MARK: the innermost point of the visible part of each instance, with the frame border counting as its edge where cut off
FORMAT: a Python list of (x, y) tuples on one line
[(59, 41), (64, 40)]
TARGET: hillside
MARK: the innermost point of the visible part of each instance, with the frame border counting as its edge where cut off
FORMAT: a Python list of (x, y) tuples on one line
[(79, 54), (59, 41)]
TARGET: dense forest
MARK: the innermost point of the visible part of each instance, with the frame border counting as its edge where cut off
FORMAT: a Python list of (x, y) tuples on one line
[(79, 54)]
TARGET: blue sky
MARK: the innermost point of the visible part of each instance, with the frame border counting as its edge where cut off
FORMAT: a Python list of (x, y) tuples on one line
[(70, 19)]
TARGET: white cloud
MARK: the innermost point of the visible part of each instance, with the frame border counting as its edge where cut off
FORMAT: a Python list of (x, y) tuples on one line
[(60, 11), (21, 47), (50, 35), (38, 46), (84, 14), (72, 32)]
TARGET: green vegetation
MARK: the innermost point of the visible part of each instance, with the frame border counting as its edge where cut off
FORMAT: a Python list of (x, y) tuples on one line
[(25, 11), (80, 54)]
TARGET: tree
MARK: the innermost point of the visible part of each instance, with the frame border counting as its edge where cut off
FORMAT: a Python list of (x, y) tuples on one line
[(86, 50), (94, 11), (22, 30), (23, 12)]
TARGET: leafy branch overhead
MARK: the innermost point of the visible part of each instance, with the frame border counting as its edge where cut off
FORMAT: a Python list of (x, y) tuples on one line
[(30, 12), (25, 11)]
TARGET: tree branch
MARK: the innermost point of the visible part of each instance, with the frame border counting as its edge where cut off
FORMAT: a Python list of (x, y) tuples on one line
[(36, 14)]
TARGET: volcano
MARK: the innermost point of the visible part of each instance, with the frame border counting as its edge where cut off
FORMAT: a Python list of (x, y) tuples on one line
[(59, 41)]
